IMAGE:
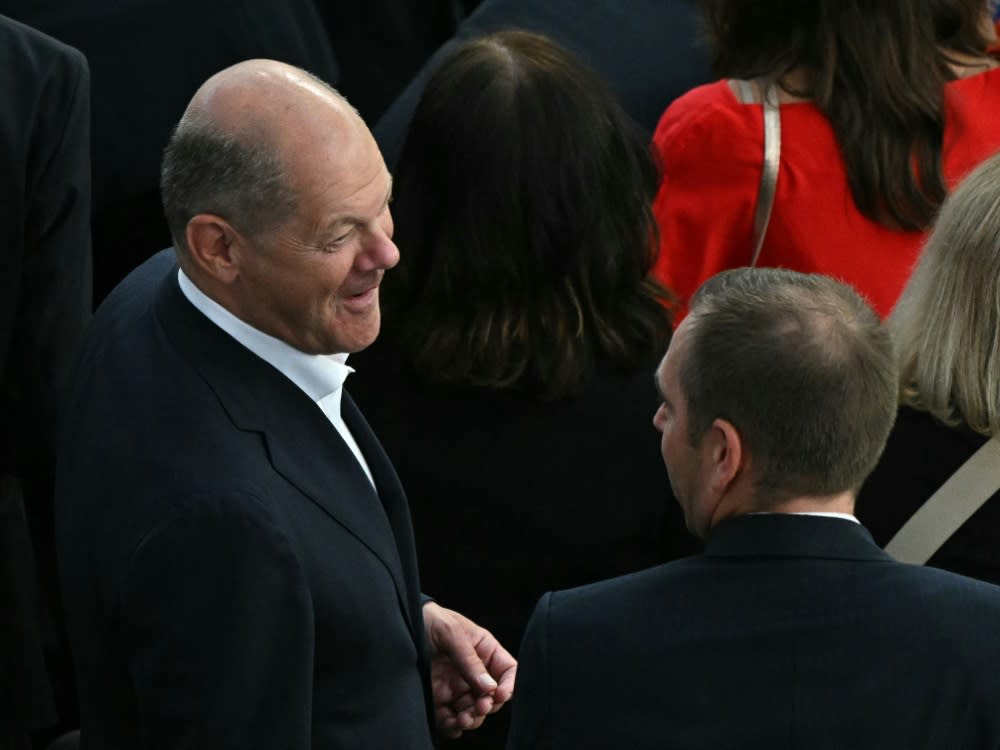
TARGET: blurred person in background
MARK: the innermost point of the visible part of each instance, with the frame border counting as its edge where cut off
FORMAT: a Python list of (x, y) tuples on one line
[(44, 308), (947, 332), (511, 383), (647, 52)]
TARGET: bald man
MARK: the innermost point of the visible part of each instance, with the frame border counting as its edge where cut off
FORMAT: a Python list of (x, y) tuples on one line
[(236, 550)]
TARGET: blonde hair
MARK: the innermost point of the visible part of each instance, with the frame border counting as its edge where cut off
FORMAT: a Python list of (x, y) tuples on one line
[(947, 322)]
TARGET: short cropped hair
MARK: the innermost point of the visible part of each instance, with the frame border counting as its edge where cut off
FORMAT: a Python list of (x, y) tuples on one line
[(237, 176), (947, 321), (523, 207), (803, 369)]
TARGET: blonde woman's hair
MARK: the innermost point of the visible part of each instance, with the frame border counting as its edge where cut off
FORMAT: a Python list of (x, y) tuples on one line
[(947, 322)]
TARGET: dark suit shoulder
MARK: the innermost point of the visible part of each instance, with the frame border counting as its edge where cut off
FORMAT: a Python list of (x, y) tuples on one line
[(29, 53), (944, 595), (678, 596), (606, 604), (44, 82)]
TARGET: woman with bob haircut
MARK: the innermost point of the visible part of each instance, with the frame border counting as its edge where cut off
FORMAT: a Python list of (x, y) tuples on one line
[(947, 332), (512, 384), (884, 105)]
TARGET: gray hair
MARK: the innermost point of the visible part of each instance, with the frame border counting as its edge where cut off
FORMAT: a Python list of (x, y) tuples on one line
[(947, 321), (803, 369), (235, 175)]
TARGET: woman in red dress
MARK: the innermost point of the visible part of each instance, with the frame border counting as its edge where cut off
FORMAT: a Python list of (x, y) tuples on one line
[(885, 105)]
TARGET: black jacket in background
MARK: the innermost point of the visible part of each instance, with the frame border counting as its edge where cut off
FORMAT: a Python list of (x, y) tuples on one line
[(45, 282), (147, 59), (647, 51)]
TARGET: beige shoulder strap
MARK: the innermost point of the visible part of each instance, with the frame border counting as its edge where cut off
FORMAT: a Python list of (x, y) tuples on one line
[(745, 91), (769, 172), (750, 92), (952, 505)]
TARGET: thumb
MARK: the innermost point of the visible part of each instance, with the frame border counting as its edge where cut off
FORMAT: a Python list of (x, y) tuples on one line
[(450, 636), (462, 652)]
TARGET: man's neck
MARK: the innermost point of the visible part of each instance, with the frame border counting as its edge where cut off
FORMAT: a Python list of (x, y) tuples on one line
[(752, 501), (840, 503)]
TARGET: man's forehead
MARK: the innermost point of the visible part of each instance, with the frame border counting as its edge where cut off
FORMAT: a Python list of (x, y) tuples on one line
[(664, 371), (660, 369)]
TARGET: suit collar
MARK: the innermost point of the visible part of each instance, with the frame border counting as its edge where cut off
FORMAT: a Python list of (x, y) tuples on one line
[(786, 535), (302, 445)]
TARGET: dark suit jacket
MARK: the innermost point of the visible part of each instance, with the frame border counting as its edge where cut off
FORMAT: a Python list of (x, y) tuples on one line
[(512, 497), (231, 578), (44, 307), (789, 632), (647, 51), (920, 456)]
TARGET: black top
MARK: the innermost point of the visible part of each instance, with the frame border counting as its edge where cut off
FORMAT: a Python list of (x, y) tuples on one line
[(380, 44), (44, 306), (512, 497), (922, 453)]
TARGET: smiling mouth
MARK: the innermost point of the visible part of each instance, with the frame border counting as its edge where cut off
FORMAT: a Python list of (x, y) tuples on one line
[(365, 292), (363, 300)]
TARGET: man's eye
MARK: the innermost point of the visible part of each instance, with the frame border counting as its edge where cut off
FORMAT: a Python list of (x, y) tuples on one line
[(339, 241)]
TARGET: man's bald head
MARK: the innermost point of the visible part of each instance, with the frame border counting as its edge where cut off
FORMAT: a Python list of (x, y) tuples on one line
[(238, 146)]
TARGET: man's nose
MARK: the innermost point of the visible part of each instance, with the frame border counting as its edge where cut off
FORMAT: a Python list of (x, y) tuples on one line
[(379, 252)]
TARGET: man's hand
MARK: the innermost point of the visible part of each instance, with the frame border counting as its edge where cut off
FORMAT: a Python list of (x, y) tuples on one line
[(472, 675)]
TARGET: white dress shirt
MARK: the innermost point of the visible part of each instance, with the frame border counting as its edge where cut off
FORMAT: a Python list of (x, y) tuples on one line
[(822, 514), (320, 376)]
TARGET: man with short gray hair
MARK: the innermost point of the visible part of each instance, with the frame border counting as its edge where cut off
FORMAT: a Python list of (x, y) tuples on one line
[(793, 629)]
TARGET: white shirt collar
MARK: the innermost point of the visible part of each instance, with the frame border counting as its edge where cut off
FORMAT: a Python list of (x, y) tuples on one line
[(318, 375), (823, 514)]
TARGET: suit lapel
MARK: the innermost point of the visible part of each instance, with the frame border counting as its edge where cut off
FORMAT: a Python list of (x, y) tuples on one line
[(393, 500)]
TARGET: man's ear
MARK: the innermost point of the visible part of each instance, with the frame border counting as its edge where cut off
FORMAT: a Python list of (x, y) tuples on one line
[(724, 456), (216, 248)]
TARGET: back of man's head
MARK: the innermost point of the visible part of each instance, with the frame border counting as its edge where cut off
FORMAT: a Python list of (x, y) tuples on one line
[(803, 369)]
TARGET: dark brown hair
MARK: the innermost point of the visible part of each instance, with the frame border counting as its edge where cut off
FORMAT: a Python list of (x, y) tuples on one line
[(877, 70), (522, 208)]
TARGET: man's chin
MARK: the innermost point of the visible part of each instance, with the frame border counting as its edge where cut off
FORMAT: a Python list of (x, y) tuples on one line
[(352, 332), (360, 341)]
